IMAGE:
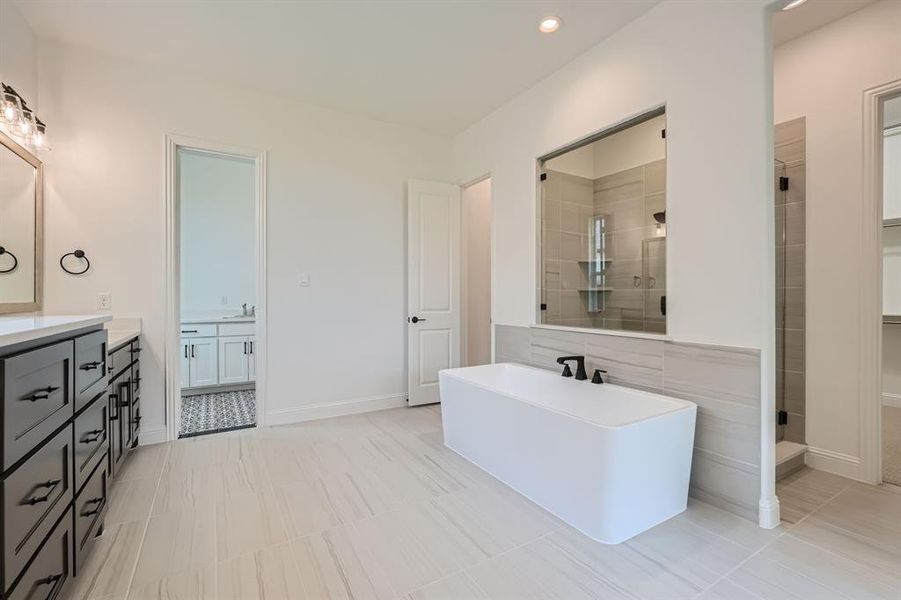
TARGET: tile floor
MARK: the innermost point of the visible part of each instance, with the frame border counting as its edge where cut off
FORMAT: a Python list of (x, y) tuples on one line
[(221, 411), (373, 506)]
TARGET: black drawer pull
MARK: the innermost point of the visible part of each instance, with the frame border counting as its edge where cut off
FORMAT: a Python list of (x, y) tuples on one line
[(38, 499), (189, 331), (51, 580), (114, 401), (98, 501), (41, 394), (91, 436), (135, 350), (91, 365)]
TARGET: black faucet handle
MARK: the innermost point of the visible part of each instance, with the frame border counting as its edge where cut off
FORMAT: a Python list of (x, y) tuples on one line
[(597, 376), (567, 372)]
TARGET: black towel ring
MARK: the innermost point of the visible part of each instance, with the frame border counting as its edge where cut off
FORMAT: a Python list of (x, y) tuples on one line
[(76, 254), (15, 260)]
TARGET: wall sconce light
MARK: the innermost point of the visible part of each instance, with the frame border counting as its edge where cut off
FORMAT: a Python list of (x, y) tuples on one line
[(20, 121)]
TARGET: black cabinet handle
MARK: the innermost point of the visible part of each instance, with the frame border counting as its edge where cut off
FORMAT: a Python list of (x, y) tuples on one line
[(135, 350), (251, 346), (245, 347), (49, 580), (416, 320), (186, 351), (91, 436), (38, 499), (91, 365), (114, 402), (189, 331), (99, 502), (192, 350), (41, 394)]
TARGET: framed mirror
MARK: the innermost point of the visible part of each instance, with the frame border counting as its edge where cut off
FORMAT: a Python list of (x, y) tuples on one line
[(21, 228)]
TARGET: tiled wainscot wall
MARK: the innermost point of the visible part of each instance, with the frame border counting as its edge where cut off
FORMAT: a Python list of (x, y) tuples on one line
[(723, 381)]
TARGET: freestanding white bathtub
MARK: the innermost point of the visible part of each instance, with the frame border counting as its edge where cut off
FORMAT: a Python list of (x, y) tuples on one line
[(610, 461)]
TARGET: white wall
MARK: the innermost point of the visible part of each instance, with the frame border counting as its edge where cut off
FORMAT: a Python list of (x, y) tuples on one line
[(336, 199), (822, 76), (719, 138), (476, 203), (637, 145), (218, 233), (18, 55)]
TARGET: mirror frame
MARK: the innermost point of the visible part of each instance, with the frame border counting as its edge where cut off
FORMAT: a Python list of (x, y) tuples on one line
[(34, 161)]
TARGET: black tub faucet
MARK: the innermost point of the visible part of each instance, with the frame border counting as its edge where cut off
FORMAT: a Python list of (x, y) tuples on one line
[(597, 376), (581, 375)]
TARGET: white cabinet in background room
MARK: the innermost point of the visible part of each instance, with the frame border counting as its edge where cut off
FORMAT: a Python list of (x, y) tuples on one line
[(185, 363), (203, 362), (236, 359)]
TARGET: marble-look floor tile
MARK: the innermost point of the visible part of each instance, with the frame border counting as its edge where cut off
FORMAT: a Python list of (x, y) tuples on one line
[(107, 571), (266, 574), (188, 489), (247, 525), (740, 531), (305, 507), (130, 500), (176, 542), (335, 564), (458, 586), (726, 589), (791, 568), (144, 462), (185, 585), (803, 492)]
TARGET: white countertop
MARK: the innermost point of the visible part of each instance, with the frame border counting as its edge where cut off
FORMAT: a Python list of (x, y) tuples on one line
[(115, 337), (197, 320), (22, 328)]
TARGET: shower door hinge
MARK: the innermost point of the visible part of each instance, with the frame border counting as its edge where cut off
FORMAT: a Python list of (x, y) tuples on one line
[(783, 184), (782, 418), (543, 176), (663, 133), (543, 306)]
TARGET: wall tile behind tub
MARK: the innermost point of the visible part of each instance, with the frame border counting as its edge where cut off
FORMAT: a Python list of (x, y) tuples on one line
[(724, 383)]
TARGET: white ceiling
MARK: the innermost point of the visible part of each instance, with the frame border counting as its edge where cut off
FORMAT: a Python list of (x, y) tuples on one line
[(813, 14), (439, 66)]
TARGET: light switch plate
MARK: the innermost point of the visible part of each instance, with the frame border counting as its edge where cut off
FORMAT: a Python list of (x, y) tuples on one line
[(305, 278), (104, 301)]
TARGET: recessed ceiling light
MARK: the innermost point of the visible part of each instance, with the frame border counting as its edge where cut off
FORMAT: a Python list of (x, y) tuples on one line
[(551, 24), (793, 4)]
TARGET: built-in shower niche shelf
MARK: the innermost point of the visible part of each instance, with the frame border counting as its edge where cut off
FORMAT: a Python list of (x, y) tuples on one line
[(605, 261), (598, 289)]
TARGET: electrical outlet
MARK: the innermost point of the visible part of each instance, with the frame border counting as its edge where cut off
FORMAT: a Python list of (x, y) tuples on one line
[(104, 301)]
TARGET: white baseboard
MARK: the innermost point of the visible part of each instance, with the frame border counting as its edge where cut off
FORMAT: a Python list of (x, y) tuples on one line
[(834, 462), (334, 409), (768, 513), (157, 435), (891, 400)]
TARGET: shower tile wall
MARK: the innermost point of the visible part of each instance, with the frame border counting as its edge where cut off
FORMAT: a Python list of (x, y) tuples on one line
[(627, 200), (790, 277), (633, 244), (568, 208), (723, 381)]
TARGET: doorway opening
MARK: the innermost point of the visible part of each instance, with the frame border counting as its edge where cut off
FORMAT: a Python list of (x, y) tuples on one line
[(216, 278), (891, 291), (476, 273)]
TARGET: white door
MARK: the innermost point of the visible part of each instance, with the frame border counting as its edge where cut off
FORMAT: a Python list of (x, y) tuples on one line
[(233, 355), (433, 297), (251, 358), (204, 363), (185, 363)]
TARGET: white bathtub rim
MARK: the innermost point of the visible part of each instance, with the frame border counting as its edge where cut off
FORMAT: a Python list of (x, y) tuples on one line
[(564, 522), (685, 404)]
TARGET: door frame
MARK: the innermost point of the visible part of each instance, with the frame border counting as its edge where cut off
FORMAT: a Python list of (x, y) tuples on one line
[(464, 270), (870, 360), (172, 322)]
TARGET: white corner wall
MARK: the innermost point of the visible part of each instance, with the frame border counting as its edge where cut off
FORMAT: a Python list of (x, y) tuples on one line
[(336, 201), (707, 62), (18, 55), (822, 76)]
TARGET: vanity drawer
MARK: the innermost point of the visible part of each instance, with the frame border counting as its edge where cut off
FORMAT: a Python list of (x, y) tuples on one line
[(226, 329), (90, 509), (34, 496), (48, 577), (198, 330), (118, 360), (90, 367), (91, 439), (134, 427), (37, 397)]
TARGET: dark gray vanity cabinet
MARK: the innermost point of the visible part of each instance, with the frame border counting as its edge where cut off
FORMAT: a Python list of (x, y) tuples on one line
[(71, 412)]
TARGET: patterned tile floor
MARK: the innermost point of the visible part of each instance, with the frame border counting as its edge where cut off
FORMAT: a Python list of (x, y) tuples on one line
[(374, 506), (222, 411)]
